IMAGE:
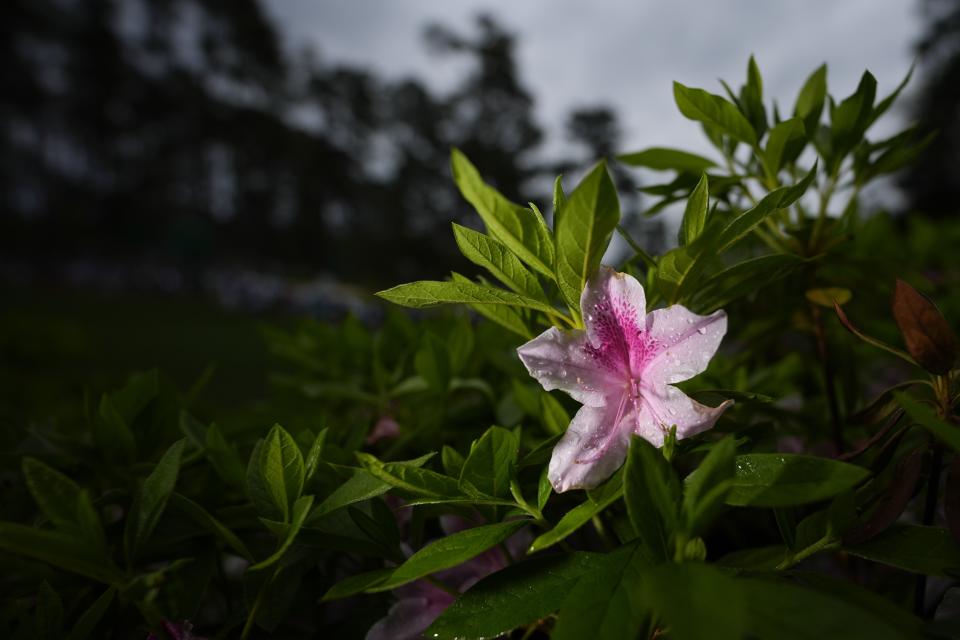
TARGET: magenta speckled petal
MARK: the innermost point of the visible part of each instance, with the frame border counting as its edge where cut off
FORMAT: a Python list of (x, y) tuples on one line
[(559, 360), (684, 343), (668, 406), (593, 447), (613, 306)]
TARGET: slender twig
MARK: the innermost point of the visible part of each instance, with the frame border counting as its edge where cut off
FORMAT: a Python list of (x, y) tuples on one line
[(944, 404), (825, 197), (828, 381)]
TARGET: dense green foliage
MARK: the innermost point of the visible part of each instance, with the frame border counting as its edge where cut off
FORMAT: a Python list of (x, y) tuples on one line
[(813, 509)]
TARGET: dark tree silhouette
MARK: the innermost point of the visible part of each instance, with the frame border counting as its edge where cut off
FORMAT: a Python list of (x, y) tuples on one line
[(179, 131), (932, 184)]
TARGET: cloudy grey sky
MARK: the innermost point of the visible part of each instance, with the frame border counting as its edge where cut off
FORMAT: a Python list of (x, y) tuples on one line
[(626, 53)]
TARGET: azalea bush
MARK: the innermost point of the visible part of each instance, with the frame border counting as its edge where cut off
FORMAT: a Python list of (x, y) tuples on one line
[(742, 437)]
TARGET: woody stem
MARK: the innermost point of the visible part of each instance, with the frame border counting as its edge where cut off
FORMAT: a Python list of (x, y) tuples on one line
[(828, 381)]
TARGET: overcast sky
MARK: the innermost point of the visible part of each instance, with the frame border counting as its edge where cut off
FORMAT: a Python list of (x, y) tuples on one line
[(626, 53)]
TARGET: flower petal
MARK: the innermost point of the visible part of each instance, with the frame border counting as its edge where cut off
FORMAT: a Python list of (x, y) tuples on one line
[(613, 305), (681, 342), (665, 406), (593, 447), (559, 360), (407, 619)]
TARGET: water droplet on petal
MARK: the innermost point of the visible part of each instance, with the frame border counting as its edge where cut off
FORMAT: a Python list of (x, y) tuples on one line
[(701, 330)]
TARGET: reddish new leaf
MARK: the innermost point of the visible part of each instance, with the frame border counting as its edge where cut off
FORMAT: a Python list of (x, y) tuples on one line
[(891, 502), (928, 336)]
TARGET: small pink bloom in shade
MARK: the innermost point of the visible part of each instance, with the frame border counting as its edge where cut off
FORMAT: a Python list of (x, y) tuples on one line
[(622, 369), (421, 602), (176, 631), (385, 428)]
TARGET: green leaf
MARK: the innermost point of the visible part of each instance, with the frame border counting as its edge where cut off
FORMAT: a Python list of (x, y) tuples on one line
[(743, 279), (825, 527), (712, 110), (751, 99), (544, 488), (695, 214), (414, 480), (590, 215), (359, 487), (506, 317), (299, 515), (516, 227), (652, 494), (280, 470), (783, 480), (927, 550), (496, 258), (57, 495), (112, 435), (136, 394), (777, 199), (885, 104), (679, 268), (380, 526), (707, 487), (432, 362), (893, 159), (312, 462), (605, 495), (489, 466), (926, 418), (460, 344), (204, 519), (60, 549), (152, 500), (756, 559), (784, 144), (223, 457), (604, 604), (512, 597), (700, 601), (257, 489), (88, 622), (828, 296), (559, 198), (555, 418), (430, 293), (663, 159), (849, 120), (810, 101), (450, 551), (356, 584)]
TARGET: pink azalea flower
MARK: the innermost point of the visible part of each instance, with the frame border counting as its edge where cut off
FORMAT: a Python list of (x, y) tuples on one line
[(622, 369), (385, 428), (421, 602), (176, 631)]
